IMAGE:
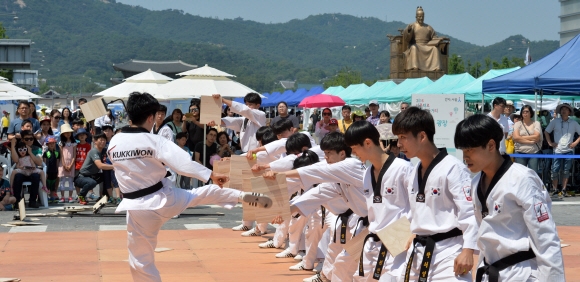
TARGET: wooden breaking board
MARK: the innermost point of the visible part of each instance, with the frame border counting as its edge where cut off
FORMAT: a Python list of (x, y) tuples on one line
[(210, 110), (93, 109), (237, 165), (278, 192), (223, 167), (248, 212)]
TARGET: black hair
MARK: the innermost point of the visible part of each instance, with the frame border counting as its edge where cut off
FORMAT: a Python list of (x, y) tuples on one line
[(20, 144), (177, 110), (25, 103), (529, 109), (29, 133), (307, 158), (253, 98), (334, 141), (386, 113), (99, 136), (63, 139), (25, 122), (210, 130), (282, 125), (268, 137), (346, 107), (414, 120), (69, 114), (141, 106), (194, 101), (327, 109), (181, 135), (120, 129), (78, 122), (296, 142), (281, 102), (367, 109), (393, 143), (32, 108), (498, 100), (162, 108), (261, 131), (82, 100), (476, 131), (359, 131), (220, 135)]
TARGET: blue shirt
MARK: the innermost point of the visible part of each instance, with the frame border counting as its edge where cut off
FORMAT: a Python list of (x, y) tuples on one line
[(16, 124)]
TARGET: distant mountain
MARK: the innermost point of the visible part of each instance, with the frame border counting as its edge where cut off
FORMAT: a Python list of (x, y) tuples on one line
[(87, 36)]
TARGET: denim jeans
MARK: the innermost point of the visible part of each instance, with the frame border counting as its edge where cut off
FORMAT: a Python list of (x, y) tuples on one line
[(557, 163), (532, 163), (86, 184)]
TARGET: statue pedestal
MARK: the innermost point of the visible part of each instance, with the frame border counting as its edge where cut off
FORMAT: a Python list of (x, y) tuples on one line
[(398, 47)]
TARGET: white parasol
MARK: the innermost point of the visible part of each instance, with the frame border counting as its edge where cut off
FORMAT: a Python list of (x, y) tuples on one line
[(147, 81)]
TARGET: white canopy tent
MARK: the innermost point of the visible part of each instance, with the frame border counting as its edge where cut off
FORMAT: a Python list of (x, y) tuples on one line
[(147, 81)]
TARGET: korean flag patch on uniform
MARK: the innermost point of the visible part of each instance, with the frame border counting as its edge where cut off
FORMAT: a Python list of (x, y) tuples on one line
[(467, 192), (389, 191), (541, 211), (435, 191), (497, 208)]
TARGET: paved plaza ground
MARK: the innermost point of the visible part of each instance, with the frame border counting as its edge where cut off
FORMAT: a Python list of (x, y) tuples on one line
[(93, 248)]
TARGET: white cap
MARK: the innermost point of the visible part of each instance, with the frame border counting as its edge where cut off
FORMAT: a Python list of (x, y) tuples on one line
[(374, 102)]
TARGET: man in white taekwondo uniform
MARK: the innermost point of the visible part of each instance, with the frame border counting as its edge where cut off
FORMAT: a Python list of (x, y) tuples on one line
[(349, 186), (250, 121), (441, 211), (388, 201), (149, 198), (517, 234)]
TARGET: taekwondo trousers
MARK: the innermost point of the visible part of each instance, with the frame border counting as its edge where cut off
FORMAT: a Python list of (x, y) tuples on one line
[(338, 265), (440, 270), (144, 225), (312, 234), (370, 256), (294, 228)]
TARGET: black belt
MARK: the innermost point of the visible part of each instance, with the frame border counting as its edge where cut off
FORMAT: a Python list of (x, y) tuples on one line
[(380, 259), (344, 224), (365, 222), (144, 192), (492, 270), (323, 210), (429, 243)]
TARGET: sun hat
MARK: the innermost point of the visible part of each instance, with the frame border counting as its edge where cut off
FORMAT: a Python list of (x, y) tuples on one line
[(65, 128), (559, 108)]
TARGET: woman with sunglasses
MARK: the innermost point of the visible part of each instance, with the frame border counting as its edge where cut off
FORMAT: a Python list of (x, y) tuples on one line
[(29, 151), (322, 127), (55, 117)]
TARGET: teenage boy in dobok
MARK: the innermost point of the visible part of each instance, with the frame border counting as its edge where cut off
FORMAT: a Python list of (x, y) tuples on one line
[(517, 234), (441, 209), (149, 198)]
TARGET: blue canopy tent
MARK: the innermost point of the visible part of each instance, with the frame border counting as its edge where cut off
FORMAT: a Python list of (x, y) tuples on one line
[(270, 101), (297, 97), (557, 73), (375, 90), (315, 90)]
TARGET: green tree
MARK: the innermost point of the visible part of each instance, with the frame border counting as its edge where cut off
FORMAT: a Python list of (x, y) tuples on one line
[(456, 65), (345, 77)]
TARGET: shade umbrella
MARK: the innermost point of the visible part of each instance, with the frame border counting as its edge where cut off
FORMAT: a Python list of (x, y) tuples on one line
[(147, 81), (321, 101), (9, 91), (203, 81)]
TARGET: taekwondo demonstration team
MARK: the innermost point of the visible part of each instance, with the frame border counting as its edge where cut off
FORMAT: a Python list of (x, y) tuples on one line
[(347, 187)]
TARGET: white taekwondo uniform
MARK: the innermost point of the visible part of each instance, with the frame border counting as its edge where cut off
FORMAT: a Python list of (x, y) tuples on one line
[(166, 132), (518, 219), (276, 149), (138, 159), (256, 119), (446, 207), (392, 204), (350, 188)]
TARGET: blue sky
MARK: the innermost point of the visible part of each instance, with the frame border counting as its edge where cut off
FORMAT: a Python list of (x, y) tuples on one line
[(481, 22)]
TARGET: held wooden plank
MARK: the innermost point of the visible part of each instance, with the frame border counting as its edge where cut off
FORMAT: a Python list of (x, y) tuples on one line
[(223, 167), (396, 235), (248, 212), (93, 109), (237, 165), (277, 190), (211, 110)]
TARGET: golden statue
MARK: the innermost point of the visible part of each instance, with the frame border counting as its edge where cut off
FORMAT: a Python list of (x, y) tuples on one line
[(423, 53)]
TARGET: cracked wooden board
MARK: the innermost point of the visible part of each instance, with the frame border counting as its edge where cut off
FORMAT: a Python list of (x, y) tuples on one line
[(277, 190)]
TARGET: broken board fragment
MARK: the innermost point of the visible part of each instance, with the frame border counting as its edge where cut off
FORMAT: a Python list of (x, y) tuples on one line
[(396, 235), (100, 204), (9, 279), (160, 250)]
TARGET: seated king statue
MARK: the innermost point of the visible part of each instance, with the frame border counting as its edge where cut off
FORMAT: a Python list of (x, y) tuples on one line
[(423, 53)]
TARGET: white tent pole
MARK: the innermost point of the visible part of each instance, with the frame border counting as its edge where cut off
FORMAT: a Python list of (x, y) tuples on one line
[(482, 103), (536, 103)]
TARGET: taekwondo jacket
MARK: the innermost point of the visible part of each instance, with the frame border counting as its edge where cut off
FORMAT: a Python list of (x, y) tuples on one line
[(256, 119), (138, 157), (519, 218)]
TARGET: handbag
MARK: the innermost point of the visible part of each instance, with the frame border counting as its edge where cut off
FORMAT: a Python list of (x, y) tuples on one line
[(539, 149), (509, 146)]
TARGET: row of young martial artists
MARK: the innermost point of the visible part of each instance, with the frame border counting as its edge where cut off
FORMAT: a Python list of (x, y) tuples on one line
[(506, 218)]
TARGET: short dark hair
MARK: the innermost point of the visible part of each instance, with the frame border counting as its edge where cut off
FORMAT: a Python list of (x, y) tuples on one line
[(253, 98), (296, 142), (220, 135), (177, 110), (334, 141), (529, 109), (162, 108), (210, 130), (346, 107), (282, 102), (476, 131), (23, 102), (359, 131), (82, 100), (498, 100), (195, 101), (26, 121), (261, 131), (26, 133), (78, 122), (281, 126), (181, 135), (415, 120), (99, 136), (307, 158), (269, 137), (386, 113), (141, 106), (393, 143)]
